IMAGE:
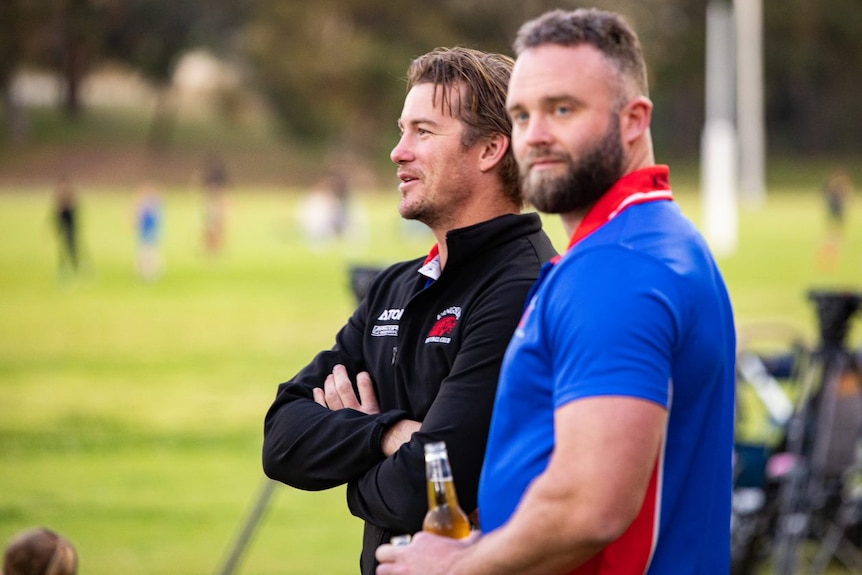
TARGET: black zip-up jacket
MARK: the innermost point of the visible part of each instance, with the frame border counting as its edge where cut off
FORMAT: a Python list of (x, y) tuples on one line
[(434, 355)]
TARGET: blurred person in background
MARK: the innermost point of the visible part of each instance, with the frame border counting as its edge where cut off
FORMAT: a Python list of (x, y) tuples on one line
[(419, 359), (66, 220), (837, 191), (40, 551), (215, 180), (149, 264), (611, 442), (340, 190), (324, 213)]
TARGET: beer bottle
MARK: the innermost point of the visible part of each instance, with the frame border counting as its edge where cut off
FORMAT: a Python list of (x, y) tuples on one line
[(445, 516)]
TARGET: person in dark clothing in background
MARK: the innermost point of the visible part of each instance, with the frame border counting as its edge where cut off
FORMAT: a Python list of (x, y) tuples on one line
[(65, 214), (418, 360)]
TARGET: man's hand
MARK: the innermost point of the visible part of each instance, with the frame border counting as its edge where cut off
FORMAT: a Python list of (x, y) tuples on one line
[(427, 554), (337, 392)]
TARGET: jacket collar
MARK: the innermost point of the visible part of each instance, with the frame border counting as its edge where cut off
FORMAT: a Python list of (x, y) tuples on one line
[(463, 243)]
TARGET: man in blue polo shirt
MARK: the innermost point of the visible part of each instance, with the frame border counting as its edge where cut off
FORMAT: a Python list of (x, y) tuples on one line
[(611, 441)]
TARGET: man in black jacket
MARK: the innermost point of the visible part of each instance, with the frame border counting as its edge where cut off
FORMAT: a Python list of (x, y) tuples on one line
[(418, 361)]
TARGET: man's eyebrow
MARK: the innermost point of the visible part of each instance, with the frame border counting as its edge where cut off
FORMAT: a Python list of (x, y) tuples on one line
[(417, 121), (547, 101)]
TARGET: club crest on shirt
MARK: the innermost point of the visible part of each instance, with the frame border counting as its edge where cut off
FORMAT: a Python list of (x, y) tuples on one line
[(444, 326)]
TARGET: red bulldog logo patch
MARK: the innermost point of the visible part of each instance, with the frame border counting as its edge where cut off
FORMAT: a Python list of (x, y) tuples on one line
[(444, 326)]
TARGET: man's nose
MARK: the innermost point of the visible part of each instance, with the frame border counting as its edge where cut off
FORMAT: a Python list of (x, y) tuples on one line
[(401, 152)]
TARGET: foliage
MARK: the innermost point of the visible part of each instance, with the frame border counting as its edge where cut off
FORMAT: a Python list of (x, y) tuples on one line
[(72, 36), (151, 34), (813, 57), (23, 38), (332, 69)]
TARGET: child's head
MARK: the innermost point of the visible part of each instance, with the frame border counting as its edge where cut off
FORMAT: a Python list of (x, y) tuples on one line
[(39, 551)]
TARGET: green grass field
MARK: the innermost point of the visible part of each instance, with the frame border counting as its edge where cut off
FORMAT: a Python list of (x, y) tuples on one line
[(131, 412)]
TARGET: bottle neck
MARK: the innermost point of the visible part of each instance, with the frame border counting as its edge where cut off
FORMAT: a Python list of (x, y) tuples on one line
[(438, 493), (439, 475)]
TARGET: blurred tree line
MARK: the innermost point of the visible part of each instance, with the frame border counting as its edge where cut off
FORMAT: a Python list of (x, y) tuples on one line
[(333, 70), (72, 37)]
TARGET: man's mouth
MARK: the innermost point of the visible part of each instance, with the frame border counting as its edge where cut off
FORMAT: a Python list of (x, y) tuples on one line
[(541, 162), (406, 179)]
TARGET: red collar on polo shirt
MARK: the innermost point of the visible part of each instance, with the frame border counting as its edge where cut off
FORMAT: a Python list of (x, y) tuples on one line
[(645, 185), (435, 251), (431, 266)]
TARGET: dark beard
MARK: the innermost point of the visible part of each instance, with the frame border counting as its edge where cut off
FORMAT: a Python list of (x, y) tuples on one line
[(584, 182)]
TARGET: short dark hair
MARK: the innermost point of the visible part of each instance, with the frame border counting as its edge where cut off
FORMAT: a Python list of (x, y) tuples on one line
[(608, 32), (483, 80), (40, 551)]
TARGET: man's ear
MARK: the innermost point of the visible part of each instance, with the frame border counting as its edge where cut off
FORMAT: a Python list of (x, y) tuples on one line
[(635, 118), (492, 151)]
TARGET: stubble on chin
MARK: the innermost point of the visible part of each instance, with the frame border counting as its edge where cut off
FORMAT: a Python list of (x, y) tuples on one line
[(418, 212)]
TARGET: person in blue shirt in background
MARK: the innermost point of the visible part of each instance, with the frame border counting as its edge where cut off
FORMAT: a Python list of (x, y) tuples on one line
[(148, 220)]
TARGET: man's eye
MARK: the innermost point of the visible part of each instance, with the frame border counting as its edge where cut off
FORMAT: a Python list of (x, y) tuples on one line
[(520, 117), (563, 110), (422, 132)]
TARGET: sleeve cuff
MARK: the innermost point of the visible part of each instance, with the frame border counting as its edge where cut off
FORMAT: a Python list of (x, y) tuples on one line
[(384, 422)]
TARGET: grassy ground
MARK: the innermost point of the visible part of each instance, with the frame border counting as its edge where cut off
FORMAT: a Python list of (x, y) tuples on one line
[(130, 412)]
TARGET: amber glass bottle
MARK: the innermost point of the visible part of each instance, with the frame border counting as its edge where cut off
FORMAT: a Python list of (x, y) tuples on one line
[(445, 516)]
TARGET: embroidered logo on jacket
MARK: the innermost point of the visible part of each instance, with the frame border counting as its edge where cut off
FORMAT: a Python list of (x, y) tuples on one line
[(384, 330), (390, 314), (446, 322), (388, 330)]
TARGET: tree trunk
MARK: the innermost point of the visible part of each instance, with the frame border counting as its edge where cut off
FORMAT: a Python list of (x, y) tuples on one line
[(77, 28), (73, 72)]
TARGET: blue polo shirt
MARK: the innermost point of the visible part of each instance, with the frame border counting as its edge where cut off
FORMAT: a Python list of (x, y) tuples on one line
[(636, 307)]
